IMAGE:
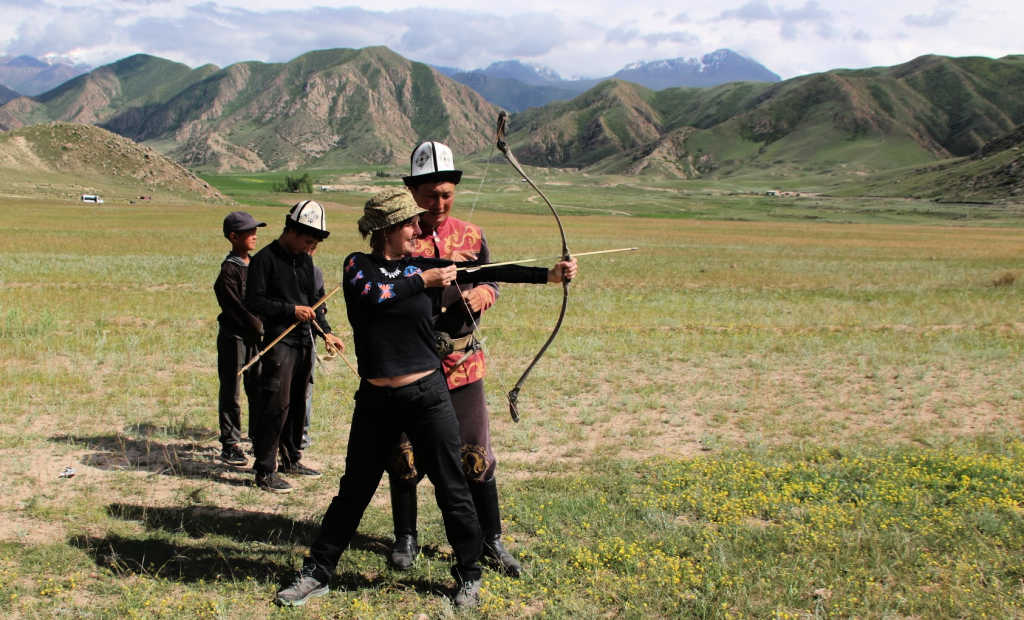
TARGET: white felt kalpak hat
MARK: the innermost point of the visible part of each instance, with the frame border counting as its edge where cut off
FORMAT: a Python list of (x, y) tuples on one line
[(432, 162), (308, 216)]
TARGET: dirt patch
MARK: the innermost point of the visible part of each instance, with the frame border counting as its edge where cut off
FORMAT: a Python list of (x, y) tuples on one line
[(27, 531), (685, 413)]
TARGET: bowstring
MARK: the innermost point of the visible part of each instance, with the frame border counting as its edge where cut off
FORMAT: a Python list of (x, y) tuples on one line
[(476, 198), (480, 187)]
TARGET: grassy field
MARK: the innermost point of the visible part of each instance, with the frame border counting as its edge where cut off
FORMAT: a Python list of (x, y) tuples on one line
[(801, 196), (800, 407)]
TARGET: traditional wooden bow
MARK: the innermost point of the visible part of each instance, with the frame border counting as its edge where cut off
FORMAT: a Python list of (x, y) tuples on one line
[(513, 395)]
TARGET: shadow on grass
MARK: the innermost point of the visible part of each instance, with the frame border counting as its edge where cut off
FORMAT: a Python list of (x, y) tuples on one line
[(160, 558), (186, 459), (193, 433), (200, 521), (157, 555)]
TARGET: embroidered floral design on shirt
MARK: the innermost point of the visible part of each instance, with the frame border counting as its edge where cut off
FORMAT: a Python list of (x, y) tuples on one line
[(351, 264), (358, 277), (411, 270), (386, 292), (366, 289)]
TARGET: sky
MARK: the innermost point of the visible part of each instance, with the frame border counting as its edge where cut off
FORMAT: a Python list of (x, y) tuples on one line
[(576, 38)]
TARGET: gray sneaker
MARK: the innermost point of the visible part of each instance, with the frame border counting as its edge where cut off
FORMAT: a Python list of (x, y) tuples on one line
[(468, 593), (307, 586)]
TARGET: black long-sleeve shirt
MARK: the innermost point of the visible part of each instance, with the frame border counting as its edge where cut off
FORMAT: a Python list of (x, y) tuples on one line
[(229, 287), (278, 281), (391, 310)]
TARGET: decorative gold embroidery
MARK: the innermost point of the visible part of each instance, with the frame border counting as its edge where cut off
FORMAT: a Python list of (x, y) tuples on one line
[(402, 464), (471, 370), (474, 462), (424, 248), (459, 241)]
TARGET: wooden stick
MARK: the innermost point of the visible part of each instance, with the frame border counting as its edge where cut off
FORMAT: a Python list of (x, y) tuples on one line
[(333, 351), (287, 331), (348, 363), (531, 260)]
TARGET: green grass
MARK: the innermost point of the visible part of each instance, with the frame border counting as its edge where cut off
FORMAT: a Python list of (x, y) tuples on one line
[(785, 417), (740, 198)]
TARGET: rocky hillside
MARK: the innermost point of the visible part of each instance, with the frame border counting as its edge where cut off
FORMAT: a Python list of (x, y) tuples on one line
[(931, 108), (331, 108), (133, 83), (70, 158), (324, 108)]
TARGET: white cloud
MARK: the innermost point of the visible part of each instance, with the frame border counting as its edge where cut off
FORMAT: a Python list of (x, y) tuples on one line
[(938, 19), (574, 37)]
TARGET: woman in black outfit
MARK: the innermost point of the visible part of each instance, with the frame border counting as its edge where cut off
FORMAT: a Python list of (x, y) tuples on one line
[(390, 298)]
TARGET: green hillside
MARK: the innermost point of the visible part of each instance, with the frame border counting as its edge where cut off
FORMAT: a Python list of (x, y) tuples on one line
[(131, 83), (65, 160), (324, 108), (863, 120), (839, 131), (993, 173)]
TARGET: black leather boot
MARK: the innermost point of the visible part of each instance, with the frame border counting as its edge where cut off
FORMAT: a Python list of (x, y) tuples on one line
[(485, 499), (403, 512)]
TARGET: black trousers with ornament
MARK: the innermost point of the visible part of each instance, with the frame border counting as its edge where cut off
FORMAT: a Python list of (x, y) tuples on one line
[(423, 411)]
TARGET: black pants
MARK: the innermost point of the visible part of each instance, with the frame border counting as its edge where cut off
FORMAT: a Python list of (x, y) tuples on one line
[(284, 375), (232, 354), (478, 460), (423, 410)]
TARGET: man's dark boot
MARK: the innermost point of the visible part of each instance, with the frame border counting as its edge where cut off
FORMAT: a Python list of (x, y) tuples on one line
[(485, 499), (403, 512)]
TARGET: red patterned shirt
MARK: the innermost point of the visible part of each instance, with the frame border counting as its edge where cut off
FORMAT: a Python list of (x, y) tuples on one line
[(457, 240)]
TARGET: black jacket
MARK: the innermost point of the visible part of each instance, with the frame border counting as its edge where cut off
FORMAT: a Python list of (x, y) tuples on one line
[(279, 281), (392, 313), (235, 319)]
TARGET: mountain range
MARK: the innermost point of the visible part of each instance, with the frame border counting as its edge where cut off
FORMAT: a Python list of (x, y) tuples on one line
[(324, 108), (6, 94), (516, 86), (330, 108), (30, 76), (931, 108)]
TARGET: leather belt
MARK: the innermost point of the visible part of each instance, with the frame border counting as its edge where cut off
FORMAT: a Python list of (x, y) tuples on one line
[(464, 343)]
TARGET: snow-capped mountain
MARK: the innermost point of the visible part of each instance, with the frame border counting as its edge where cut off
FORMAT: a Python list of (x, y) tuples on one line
[(718, 67)]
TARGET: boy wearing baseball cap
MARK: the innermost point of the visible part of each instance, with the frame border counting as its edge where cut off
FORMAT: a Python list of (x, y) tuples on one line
[(238, 335)]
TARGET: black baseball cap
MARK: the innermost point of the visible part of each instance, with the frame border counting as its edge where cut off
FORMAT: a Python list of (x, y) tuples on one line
[(237, 221)]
